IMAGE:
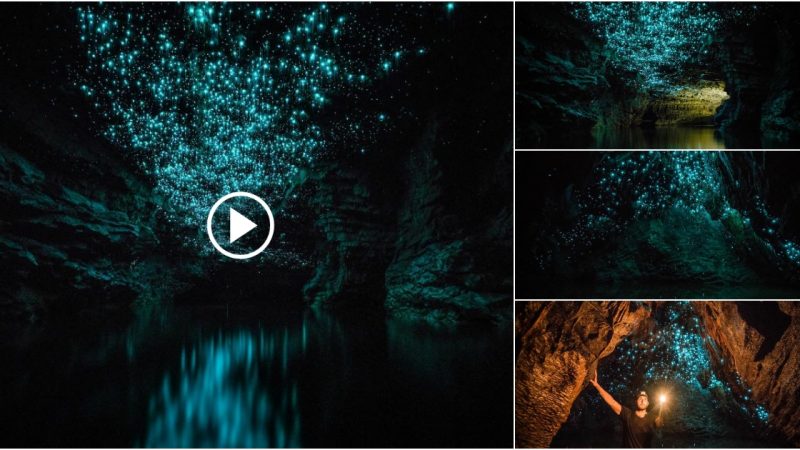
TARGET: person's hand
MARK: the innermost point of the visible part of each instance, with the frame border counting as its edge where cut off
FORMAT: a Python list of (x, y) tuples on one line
[(593, 380)]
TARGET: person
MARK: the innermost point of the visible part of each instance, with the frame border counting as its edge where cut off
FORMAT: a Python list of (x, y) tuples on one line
[(638, 427)]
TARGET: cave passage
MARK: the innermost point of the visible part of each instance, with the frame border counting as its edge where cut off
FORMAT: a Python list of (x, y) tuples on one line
[(721, 387), (669, 357), (657, 75)]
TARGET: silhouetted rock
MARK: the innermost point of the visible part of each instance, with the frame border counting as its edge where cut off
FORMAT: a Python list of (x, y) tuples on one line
[(355, 228), (440, 270), (761, 66), (393, 238), (80, 224)]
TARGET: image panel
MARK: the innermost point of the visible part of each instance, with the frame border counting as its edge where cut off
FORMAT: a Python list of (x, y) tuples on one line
[(256, 225), (659, 224), (674, 374), (657, 75)]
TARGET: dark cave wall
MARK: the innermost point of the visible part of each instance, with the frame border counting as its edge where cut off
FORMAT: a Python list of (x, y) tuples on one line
[(394, 237), (758, 341), (355, 230), (761, 65), (80, 225), (438, 184), (444, 267), (559, 345), (564, 84)]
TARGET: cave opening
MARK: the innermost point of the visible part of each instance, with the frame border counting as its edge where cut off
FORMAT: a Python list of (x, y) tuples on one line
[(664, 75), (682, 117), (768, 320), (722, 387)]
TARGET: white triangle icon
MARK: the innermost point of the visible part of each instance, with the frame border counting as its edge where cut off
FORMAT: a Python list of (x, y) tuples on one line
[(239, 225)]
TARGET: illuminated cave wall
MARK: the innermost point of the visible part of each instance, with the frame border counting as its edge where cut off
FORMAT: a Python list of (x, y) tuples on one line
[(758, 342), (737, 397), (553, 363), (695, 104)]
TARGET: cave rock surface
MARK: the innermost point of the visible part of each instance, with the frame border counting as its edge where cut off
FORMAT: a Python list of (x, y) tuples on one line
[(560, 344), (758, 340)]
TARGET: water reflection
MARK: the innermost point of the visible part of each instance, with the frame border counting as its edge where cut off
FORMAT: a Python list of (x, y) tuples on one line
[(660, 138), (253, 377), (320, 379), (234, 389)]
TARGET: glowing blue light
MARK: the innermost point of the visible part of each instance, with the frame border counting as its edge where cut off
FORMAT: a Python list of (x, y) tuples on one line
[(650, 185), (654, 39), (211, 104)]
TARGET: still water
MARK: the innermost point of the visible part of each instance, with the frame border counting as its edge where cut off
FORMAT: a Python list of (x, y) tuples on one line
[(664, 137), (243, 377), (687, 138)]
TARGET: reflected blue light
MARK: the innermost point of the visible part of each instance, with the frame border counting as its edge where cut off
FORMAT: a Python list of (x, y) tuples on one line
[(235, 389)]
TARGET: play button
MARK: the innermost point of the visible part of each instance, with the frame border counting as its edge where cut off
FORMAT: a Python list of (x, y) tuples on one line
[(240, 224)]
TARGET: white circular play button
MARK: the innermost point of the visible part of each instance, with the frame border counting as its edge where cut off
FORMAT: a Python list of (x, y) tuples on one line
[(239, 225)]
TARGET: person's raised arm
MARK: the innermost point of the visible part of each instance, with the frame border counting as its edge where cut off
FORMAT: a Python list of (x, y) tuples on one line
[(659, 420), (606, 396)]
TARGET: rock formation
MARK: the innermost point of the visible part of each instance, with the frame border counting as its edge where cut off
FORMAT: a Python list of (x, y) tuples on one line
[(86, 230), (695, 104), (760, 64), (559, 345), (393, 239), (354, 242), (77, 236), (444, 268), (758, 342)]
